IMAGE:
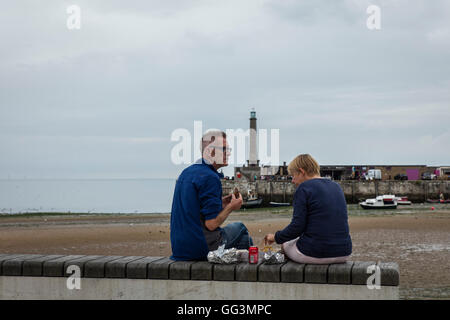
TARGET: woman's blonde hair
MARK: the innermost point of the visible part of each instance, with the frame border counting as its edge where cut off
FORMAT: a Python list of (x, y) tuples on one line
[(305, 162)]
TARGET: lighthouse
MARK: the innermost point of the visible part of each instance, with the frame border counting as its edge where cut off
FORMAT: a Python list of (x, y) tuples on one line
[(253, 154), (251, 171)]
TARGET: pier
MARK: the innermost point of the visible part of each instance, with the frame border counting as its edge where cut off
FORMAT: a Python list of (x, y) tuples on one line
[(283, 191)]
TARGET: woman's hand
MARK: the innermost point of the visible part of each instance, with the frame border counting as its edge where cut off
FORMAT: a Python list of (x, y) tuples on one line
[(269, 238)]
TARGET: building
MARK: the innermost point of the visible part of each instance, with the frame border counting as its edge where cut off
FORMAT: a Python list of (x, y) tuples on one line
[(443, 173), (278, 171), (388, 172)]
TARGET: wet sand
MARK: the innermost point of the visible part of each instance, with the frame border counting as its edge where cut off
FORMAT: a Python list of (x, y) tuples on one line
[(419, 241)]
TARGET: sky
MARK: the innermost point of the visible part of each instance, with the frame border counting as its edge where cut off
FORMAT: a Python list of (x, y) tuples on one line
[(102, 101)]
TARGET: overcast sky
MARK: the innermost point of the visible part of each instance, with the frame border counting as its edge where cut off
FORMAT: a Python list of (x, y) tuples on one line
[(102, 101)]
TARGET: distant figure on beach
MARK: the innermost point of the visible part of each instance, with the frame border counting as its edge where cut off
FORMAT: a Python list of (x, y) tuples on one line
[(198, 208), (319, 231)]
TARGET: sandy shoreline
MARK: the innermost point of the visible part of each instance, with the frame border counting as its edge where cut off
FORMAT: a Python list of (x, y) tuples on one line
[(419, 242)]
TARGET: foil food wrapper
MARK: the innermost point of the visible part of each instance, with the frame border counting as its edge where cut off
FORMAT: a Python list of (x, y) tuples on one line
[(242, 255), (271, 257), (223, 256)]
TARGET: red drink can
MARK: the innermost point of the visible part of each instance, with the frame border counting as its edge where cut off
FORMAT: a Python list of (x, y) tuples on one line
[(253, 255)]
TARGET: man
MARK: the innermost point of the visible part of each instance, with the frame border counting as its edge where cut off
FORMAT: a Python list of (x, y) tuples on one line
[(198, 208)]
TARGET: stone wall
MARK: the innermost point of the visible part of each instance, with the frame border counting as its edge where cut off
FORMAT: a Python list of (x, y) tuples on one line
[(283, 191)]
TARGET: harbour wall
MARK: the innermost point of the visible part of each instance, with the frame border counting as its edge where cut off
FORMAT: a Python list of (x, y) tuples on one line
[(55, 288), (43, 277), (354, 191)]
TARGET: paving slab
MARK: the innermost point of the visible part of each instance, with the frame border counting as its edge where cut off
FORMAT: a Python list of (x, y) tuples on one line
[(270, 272), (316, 273), (293, 272), (35, 267), (5, 257), (224, 272), (248, 271), (180, 270), (202, 270), (359, 272), (138, 269), (80, 262), (390, 275), (96, 268), (159, 269), (340, 273), (13, 267), (118, 268), (55, 267)]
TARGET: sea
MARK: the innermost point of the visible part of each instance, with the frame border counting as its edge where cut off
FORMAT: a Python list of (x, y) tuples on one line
[(124, 196)]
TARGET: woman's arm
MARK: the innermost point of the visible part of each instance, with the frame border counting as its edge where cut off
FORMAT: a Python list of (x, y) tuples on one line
[(298, 222)]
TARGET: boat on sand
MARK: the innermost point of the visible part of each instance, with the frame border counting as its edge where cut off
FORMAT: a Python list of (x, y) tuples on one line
[(279, 204), (403, 201), (380, 202)]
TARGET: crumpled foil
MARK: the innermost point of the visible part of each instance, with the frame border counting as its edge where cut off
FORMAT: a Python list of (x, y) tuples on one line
[(242, 255), (223, 256), (271, 257)]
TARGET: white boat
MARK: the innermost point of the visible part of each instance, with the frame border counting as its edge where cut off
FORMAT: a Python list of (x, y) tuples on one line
[(380, 202), (252, 203), (252, 200), (403, 201), (279, 204)]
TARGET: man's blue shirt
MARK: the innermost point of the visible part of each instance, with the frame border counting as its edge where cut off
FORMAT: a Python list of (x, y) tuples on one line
[(197, 196)]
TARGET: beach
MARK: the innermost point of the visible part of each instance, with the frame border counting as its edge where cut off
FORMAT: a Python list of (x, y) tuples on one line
[(417, 238)]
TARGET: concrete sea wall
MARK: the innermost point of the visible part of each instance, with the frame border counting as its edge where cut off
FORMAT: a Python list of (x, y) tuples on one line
[(36, 276), (283, 191), (50, 288)]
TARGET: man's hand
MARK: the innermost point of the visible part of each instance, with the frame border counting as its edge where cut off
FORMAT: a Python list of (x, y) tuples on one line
[(269, 239), (235, 203), (226, 200)]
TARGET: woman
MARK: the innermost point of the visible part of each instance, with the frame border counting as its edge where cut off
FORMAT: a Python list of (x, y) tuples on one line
[(318, 232)]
